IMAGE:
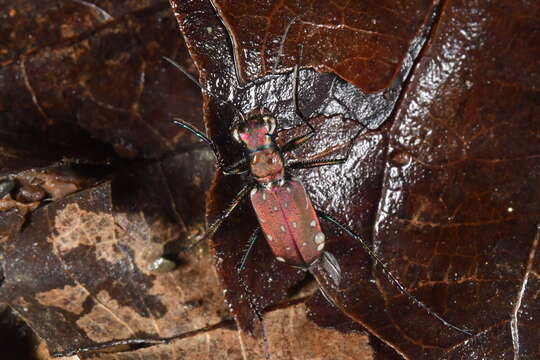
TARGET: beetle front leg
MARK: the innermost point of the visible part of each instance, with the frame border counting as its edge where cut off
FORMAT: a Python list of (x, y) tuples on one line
[(296, 142), (306, 164), (239, 167)]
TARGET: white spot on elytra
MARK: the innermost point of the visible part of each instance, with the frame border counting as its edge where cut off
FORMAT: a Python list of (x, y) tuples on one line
[(312, 223), (275, 208), (269, 237), (282, 228), (319, 238), (304, 244), (264, 195), (285, 205), (294, 225), (288, 248), (288, 189), (279, 258), (253, 191)]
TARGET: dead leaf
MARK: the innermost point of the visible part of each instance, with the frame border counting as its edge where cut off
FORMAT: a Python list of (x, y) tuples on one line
[(443, 184), (302, 340), (444, 190)]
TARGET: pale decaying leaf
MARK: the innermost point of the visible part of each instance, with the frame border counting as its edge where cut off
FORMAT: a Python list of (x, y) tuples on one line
[(76, 270), (69, 298), (290, 336), (76, 227)]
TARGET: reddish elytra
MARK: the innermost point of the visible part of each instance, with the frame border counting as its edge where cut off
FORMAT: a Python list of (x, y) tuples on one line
[(283, 207)]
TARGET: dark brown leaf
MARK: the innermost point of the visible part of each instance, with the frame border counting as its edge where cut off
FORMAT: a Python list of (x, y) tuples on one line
[(445, 191), (94, 81)]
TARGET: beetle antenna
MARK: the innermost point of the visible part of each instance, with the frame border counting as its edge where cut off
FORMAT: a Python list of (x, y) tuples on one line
[(190, 77), (277, 59), (185, 72)]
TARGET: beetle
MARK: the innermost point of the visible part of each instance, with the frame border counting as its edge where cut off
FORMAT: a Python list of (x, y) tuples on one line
[(284, 210)]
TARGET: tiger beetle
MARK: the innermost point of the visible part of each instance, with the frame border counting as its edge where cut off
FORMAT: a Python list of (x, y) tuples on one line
[(283, 208)]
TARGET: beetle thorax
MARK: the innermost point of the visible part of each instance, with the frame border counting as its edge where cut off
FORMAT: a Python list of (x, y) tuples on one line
[(255, 131), (267, 165)]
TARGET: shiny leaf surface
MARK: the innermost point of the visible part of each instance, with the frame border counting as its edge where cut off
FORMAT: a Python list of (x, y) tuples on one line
[(442, 187)]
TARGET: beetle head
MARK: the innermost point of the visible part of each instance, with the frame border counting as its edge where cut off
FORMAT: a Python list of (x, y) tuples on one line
[(255, 130)]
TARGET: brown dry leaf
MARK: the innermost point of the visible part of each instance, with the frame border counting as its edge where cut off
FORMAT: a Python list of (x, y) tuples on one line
[(89, 84), (291, 336), (82, 282)]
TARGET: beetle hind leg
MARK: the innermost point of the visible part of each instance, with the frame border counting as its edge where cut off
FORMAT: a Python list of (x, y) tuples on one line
[(241, 266), (391, 277)]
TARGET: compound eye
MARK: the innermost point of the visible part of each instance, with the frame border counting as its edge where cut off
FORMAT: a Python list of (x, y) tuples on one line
[(269, 124), (236, 135)]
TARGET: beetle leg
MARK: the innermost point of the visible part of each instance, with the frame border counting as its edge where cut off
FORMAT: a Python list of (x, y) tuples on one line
[(391, 277), (259, 315), (217, 223), (251, 245), (296, 142), (306, 164), (236, 168), (263, 330)]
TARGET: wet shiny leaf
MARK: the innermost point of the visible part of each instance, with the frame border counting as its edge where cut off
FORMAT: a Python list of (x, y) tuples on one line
[(442, 185)]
